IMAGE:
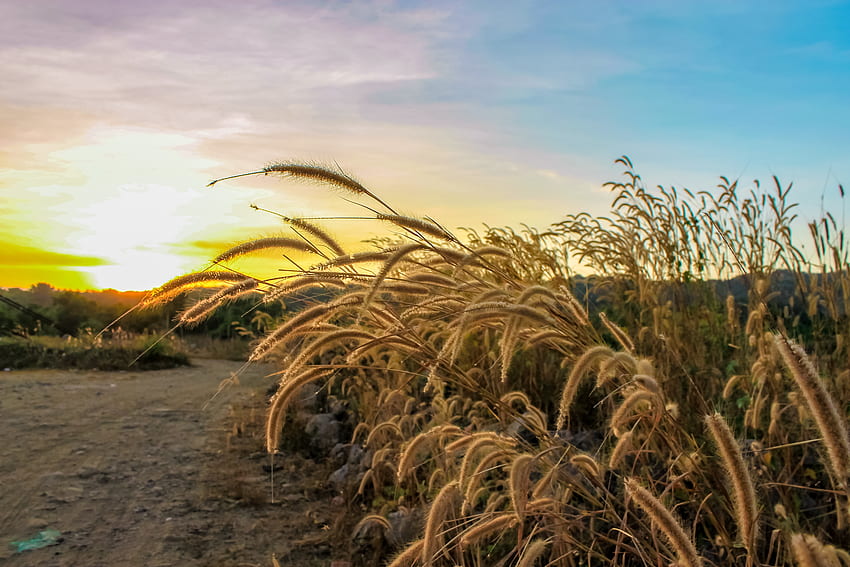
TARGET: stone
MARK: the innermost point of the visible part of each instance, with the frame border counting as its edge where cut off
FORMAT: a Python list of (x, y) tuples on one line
[(340, 477), (37, 523), (324, 431), (405, 524)]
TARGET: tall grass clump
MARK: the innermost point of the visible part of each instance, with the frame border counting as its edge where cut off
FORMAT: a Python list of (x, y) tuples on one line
[(630, 389)]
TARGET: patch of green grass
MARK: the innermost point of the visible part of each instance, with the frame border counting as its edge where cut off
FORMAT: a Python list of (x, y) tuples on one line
[(53, 352)]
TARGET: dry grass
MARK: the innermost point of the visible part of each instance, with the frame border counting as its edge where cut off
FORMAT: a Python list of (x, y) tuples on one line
[(539, 417)]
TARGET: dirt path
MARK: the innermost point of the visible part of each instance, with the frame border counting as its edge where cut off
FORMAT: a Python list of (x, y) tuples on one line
[(131, 468)]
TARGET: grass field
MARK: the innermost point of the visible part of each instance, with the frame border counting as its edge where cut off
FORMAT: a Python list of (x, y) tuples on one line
[(665, 384), (142, 352)]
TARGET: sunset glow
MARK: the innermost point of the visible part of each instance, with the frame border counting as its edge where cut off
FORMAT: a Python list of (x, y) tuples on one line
[(116, 115)]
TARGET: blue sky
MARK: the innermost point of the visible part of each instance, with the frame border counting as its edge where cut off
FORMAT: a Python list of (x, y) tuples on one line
[(115, 115)]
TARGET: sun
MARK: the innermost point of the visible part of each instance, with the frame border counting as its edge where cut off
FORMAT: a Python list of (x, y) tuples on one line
[(134, 205)]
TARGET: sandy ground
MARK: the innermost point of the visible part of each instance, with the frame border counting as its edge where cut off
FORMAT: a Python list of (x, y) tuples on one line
[(146, 468)]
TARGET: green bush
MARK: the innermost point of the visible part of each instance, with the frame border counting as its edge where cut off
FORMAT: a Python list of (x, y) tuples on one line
[(18, 353)]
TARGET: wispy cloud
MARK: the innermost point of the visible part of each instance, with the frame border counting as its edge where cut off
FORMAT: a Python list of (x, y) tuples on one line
[(14, 254), (470, 112), (194, 59)]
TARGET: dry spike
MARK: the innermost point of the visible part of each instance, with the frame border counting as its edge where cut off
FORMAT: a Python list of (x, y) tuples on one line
[(810, 552), (479, 440), (822, 407), (312, 172), (442, 509), (731, 383), (419, 225), (432, 278), (618, 333), (507, 346), (496, 309), (624, 445), (552, 337), (520, 483), (325, 341), (486, 527), (475, 256), (408, 557), (580, 368), (408, 456), (392, 260), (309, 316), (625, 412), (369, 521), (319, 173), (411, 450), (534, 291), (487, 464), (279, 402), (297, 244), (746, 508), (294, 284), (356, 258), (182, 283), (621, 363), (532, 552), (405, 288), (203, 308), (588, 466), (664, 520), (574, 307)]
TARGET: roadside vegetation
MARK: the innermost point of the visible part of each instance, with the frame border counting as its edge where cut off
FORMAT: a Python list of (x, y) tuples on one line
[(43, 327), (666, 384), (90, 353)]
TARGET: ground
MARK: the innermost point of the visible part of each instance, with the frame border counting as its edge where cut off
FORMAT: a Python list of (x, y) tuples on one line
[(152, 469)]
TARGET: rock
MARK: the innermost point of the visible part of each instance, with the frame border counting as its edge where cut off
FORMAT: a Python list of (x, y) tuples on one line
[(353, 466), (340, 477), (355, 455), (87, 472), (339, 454), (346, 453), (37, 523), (589, 440), (324, 431), (405, 524)]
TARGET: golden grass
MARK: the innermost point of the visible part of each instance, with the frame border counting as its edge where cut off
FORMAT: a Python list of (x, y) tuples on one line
[(531, 406), (664, 520)]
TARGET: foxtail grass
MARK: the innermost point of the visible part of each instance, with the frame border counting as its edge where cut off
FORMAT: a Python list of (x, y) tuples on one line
[(822, 407), (744, 500), (662, 518)]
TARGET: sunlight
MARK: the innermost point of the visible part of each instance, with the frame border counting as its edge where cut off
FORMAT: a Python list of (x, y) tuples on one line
[(136, 228), (140, 270)]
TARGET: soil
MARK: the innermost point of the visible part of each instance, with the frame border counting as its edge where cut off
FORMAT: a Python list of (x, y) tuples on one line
[(152, 468)]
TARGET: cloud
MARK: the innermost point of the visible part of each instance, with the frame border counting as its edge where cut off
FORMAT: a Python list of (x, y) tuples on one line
[(192, 61), (61, 278), (31, 136), (122, 111), (15, 256)]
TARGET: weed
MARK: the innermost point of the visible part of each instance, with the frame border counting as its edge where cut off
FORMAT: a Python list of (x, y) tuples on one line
[(534, 414)]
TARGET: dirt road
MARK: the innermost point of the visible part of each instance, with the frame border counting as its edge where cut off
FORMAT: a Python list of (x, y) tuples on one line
[(131, 469)]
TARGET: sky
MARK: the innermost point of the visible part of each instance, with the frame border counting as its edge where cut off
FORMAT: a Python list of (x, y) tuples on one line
[(115, 115)]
